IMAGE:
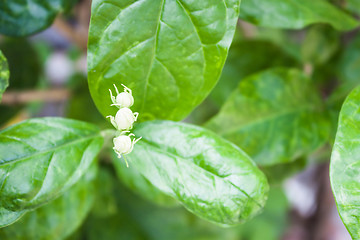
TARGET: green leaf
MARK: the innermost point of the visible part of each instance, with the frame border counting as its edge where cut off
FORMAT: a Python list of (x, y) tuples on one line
[(273, 221), (345, 164), (353, 6), (133, 179), (320, 44), (105, 199), (275, 116), (4, 74), (24, 17), (170, 53), (41, 158), (139, 219), (348, 71), (210, 176), (294, 14), (248, 57), (8, 217), (59, 218)]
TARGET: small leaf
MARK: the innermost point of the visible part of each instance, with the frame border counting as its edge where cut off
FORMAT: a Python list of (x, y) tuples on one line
[(41, 158), (248, 57), (170, 53), (320, 44), (25, 17), (275, 116), (210, 176), (59, 218), (294, 14), (4, 74), (345, 164)]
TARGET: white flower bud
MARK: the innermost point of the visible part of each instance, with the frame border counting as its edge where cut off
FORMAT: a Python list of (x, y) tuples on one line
[(123, 144), (124, 119), (124, 99)]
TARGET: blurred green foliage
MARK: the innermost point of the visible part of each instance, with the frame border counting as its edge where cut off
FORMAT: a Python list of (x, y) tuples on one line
[(287, 74)]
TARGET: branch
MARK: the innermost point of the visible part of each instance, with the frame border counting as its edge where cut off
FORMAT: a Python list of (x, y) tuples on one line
[(21, 97)]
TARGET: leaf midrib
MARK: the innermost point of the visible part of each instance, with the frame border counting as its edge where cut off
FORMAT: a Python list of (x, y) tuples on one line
[(191, 162), (265, 119), (52, 149)]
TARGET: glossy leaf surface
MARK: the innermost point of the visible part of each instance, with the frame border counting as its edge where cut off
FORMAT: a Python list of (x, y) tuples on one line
[(210, 176), (24, 17), (345, 164), (294, 14), (8, 217), (59, 218), (170, 53), (4, 74), (274, 116), (41, 158), (133, 179)]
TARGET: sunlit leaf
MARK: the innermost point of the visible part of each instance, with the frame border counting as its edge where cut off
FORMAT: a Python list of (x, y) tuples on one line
[(59, 218), (275, 116), (170, 53), (345, 164), (210, 176), (41, 158)]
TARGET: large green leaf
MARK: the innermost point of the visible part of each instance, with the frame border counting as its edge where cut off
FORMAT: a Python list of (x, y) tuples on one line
[(170, 53), (41, 158), (141, 186), (25, 17), (4, 74), (210, 176), (345, 164), (59, 218), (294, 14), (275, 116)]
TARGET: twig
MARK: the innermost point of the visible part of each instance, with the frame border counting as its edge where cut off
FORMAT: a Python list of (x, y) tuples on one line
[(21, 97), (247, 29), (308, 69)]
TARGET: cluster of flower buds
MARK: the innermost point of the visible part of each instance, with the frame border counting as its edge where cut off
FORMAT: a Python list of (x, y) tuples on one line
[(123, 122)]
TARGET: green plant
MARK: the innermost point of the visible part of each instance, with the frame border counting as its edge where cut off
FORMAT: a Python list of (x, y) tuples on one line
[(276, 104)]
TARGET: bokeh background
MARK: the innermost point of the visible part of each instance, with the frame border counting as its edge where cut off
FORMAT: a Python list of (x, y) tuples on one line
[(49, 78)]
